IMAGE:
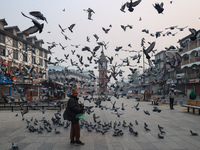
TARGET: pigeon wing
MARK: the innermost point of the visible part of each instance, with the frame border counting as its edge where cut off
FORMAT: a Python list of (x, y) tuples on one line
[(136, 3), (38, 15), (150, 48), (31, 30)]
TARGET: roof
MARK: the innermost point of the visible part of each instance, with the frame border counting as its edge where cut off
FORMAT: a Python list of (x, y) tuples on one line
[(47, 82), (103, 57), (12, 27), (4, 22)]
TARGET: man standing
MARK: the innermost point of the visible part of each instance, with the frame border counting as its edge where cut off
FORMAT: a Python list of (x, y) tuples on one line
[(171, 98), (74, 109)]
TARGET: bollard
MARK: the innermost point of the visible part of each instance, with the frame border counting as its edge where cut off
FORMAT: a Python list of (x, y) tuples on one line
[(12, 108)]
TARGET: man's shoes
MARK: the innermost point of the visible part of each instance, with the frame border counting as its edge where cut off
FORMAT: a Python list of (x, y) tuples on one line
[(72, 142), (79, 143)]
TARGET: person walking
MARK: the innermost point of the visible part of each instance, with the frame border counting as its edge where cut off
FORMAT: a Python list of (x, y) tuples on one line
[(74, 109), (171, 98)]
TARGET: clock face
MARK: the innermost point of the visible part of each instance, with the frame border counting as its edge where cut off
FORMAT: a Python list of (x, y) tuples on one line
[(104, 64)]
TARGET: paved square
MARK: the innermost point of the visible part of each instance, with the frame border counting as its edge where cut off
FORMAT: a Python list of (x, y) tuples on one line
[(176, 123)]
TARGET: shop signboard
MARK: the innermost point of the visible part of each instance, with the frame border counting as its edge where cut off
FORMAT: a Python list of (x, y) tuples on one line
[(194, 80), (28, 81)]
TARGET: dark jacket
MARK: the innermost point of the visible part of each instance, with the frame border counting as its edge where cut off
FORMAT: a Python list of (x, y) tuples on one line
[(74, 108)]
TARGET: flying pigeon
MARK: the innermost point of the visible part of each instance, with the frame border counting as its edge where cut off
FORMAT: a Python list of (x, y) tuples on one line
[(38, 15), (33, 29), (90, 11), (71, 27), (132, 4), (159, 7)]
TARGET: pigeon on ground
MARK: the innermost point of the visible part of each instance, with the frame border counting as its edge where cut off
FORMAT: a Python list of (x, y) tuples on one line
[(160, 136), (193, 133), (14, 147)]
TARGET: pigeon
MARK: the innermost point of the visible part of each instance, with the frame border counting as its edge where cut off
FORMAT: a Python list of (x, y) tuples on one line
[(118, 48), (132, 4), (181, 29), (63, 30), (66, 37), (193, 36), (105, 30), (14, 147), (57, 132), (63, 47), (159, 7), (171, 28), (71, 27), (136, 122), (123, 7), (33, 29), (149, 49), (193, 133), (146, 128), (96, 37), (90, 11), (160, 136), (38, 15)]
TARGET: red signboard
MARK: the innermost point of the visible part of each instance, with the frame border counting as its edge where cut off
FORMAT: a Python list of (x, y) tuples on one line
[(193, 80), (4, 63)]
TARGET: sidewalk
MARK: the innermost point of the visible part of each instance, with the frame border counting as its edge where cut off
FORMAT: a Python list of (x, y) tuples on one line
[(176, 123)]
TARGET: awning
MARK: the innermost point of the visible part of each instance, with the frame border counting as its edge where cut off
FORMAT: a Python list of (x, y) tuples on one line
[(52, 82)]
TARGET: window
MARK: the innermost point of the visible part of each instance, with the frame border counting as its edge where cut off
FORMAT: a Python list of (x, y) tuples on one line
[(15, 43), (2, 50), (41, 61), (24, 46), (2, 38), (33, 60), (15, 54), (40, 53), (45, 54), (25, 57), (46, 65)]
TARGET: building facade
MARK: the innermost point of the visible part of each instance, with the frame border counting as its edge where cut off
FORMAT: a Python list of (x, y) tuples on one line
[(22, 56), (190, 66)]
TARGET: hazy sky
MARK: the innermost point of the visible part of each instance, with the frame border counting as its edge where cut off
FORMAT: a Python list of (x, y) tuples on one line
[(107, 12)]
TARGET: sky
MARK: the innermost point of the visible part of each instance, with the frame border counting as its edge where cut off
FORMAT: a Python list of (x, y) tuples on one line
[(179, 13)]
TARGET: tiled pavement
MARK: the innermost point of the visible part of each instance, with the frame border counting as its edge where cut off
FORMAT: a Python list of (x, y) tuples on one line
[(177, 124)]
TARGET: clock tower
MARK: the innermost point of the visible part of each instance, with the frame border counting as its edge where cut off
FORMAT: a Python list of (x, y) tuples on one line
[(102, 73)]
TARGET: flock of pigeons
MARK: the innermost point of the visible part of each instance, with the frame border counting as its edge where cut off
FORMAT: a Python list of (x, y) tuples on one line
[(115, 71), (93, 122)]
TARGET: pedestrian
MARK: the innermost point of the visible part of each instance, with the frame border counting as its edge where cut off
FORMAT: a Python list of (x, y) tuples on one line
[(75, 109), (192, 95), (171, 98)]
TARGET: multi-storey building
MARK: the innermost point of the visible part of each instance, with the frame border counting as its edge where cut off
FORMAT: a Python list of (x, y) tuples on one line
[(190, 74), (19, 53)]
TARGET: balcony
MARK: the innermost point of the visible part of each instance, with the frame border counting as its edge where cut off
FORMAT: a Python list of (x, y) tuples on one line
[(192, 60), (185, 62), (192, 75)]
